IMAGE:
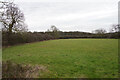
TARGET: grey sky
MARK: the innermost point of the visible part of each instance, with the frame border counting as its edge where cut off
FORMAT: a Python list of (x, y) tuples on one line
[(69, 15)]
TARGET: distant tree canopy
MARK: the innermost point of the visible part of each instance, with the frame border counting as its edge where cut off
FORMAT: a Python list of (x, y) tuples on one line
[(12, 18)]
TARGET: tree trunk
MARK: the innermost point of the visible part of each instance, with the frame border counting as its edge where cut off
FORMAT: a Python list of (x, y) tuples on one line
[(9, 35)]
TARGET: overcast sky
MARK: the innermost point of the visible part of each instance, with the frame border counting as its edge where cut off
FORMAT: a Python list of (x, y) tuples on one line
[(69, 15)]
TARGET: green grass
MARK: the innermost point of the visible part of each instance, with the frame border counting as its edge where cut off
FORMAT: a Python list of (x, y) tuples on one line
[(69, 58)]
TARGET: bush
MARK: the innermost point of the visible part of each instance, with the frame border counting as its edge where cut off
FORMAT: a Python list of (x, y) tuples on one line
[(28, 37)]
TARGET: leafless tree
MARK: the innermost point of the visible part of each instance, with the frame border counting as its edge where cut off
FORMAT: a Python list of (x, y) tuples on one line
[(12, 18), (115, 28), (100, 31), (54, 30)]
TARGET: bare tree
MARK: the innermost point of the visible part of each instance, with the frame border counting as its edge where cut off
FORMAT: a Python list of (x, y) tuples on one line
[(54, 30), (12, 18), (100, 31), (115, 28)]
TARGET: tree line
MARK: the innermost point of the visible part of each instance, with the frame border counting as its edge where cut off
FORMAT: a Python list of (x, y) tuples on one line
[(15, 31), (28, 37)]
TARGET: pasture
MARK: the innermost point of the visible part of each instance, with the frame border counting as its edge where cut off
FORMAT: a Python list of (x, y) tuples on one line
[(69, 58)]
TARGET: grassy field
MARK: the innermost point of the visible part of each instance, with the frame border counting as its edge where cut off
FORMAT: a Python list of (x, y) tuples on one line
[(69, 58)]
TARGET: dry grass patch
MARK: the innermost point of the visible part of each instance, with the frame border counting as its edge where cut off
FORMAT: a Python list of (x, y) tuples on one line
[(13, 70)]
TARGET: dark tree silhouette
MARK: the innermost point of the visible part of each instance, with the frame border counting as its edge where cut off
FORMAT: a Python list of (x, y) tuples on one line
[(12, 18)]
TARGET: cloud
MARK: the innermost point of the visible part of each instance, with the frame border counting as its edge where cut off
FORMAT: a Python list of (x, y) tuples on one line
[(69, 14)]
